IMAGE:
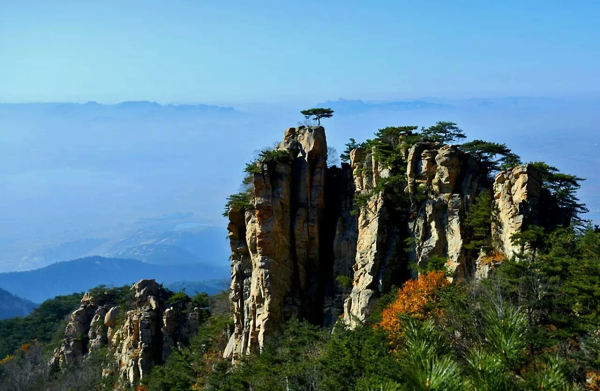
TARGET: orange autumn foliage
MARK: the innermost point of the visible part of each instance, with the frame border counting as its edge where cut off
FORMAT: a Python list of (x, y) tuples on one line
[(7, 359), (592, 381), (416, 299), (25, 347)]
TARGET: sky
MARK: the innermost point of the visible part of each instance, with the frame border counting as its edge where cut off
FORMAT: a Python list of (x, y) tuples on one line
[(189, 51)]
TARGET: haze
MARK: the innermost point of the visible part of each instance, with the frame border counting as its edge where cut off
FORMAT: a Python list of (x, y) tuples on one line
[(104, 178)]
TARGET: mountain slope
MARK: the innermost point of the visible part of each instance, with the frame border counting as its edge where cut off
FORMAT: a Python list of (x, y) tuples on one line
[(40, 325), (11, 305), (82, 274)]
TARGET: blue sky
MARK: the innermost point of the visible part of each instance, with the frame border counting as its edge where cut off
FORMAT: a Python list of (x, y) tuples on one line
[(242, 51)]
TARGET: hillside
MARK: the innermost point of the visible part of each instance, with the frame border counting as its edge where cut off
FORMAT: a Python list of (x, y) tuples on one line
[(82, 274), (40, 325), (11, 305)]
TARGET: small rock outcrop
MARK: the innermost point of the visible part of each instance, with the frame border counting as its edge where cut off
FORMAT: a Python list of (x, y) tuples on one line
[(137, 345), (302, 247), (138, 331), (84, 332)]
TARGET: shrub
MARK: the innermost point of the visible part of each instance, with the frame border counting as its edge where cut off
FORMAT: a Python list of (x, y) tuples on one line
[(418, 299)]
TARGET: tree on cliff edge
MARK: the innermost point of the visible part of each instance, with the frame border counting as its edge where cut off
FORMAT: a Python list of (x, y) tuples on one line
[(317, 114)]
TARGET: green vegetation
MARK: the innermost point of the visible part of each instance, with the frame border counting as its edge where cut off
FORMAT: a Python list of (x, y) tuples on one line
[(41, 325), (317, 114), (532, 325), (442, 132), (344, 281), (478, 223), (243, 199), (493, 157), (181, 302), (389, 147), (564, 188), (238, 201), (345, 156), (27, 343)]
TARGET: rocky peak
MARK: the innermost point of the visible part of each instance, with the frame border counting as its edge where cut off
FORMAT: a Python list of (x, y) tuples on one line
[(302, 239), (276, 241)]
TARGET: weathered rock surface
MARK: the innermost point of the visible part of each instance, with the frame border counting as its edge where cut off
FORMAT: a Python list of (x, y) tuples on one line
[(137, 345), (302, 240), (136, 339), (84, 332), (516, 201), (377, 241), (275, 243), (448, 180)]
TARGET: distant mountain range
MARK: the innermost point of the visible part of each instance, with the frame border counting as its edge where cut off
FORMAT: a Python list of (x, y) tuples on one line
[(167, 243), (82, 274), (119, 109), (343, 106), (11, 305)]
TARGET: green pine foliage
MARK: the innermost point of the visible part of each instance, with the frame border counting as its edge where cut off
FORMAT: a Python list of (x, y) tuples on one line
[(564, 188), (317, 114), (351, 145), (389, 147), (532, 325), (478, 223), (243, 199), (443, 132), (492, 156), (41, 325)]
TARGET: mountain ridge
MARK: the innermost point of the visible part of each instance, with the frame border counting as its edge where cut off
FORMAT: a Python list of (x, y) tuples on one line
[(12, 305), (79, 275)]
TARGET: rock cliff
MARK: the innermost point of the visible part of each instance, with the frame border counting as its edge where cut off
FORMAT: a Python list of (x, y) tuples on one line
[(135, 332), (275, 243), (516, 201), (302, 237)]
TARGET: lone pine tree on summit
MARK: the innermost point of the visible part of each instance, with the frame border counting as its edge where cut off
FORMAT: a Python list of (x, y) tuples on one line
[(317, 114)]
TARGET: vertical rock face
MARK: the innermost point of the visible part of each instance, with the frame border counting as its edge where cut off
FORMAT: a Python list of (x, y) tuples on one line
[(339, 241), (275, 243), (303, 248), (516, 203), (85, 332), (137, 345), (377, 241), (447, 180), (442, 182)]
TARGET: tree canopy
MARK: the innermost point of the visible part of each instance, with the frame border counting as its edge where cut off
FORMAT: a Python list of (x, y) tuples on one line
[(564, 187), (317, 114), (493, 156), (442, 132)]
